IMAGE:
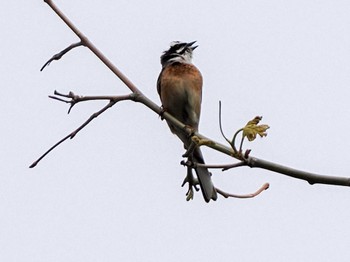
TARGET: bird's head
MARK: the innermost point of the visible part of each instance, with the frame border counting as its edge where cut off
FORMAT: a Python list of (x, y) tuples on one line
[(178, 52)]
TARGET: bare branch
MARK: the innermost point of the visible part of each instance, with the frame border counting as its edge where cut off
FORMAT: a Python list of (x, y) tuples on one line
[(233, 143), (94, 49), (311, 178), (59, 55), (227, 195), (112, 102), (75, 99), (224, 167), (239, 164)]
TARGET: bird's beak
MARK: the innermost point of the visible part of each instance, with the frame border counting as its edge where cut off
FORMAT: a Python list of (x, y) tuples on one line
[(190, 45)]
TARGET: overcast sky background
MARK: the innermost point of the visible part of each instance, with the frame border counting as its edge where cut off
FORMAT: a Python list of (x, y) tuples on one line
[(113, 192)]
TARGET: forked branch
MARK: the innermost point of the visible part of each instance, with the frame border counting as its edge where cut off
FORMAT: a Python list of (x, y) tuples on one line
[(76, 99)]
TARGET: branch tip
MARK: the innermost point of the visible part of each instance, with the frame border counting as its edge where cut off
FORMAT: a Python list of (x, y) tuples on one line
[(227, 195), (59, 55)]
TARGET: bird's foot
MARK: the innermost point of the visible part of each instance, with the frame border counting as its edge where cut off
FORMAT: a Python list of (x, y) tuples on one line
[(192, 184), (161, 113)]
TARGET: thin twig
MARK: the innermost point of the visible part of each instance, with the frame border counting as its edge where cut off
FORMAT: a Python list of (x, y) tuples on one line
[(233, 143), (227, 195), (111, 103), (241, 144), (224, 167), (239, 164), (59, 55), (75, 99), (48, 151), (221, 130)]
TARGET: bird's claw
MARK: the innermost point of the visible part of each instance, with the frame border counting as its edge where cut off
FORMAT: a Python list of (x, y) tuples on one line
[(189, 194), (192, 184), (161, 113)]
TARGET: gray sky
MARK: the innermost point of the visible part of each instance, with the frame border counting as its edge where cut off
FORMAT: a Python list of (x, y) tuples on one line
[(113, 192)]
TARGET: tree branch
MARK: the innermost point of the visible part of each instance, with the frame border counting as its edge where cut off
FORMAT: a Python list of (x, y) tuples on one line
[(112, 102), (59, 55), (227, 195), (137, 96), (86, 42), (311, 178)]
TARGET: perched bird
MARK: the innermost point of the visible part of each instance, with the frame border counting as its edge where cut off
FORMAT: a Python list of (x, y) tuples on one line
[(180, 89)]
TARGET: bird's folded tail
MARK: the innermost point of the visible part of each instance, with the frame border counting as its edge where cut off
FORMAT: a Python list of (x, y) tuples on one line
[(204, 177)]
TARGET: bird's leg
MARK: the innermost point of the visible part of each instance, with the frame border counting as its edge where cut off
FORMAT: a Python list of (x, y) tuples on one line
[(190, 132), (192, 183)]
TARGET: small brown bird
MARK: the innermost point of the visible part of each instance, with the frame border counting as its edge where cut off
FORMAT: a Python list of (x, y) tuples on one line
[(180, 89)]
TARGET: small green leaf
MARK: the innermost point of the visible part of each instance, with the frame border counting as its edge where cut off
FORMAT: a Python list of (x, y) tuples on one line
[(252, 129)]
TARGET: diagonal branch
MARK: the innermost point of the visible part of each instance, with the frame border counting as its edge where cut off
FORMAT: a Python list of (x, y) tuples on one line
[(93, 48)]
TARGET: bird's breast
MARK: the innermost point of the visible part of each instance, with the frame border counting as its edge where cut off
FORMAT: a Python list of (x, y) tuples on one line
[(181, 92)]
